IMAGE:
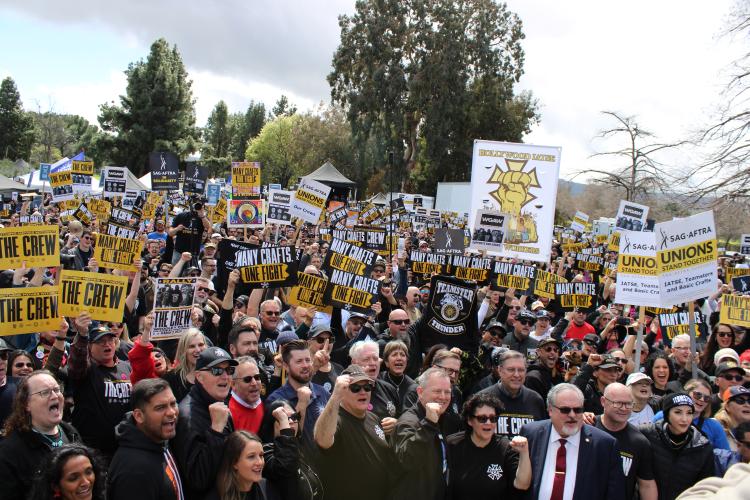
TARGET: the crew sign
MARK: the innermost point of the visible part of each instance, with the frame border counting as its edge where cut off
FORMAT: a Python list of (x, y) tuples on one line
[(101, 295), (36, 245)]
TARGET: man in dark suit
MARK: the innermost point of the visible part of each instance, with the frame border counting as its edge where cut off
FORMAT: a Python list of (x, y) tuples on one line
[(571, 460)]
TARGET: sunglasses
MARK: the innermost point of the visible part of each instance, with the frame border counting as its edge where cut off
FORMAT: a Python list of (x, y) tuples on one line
[(526, 322), (204, 289), (624, 361), (495, 333), (700, 396), (355, 388), (724, 334), (272, 313), (322, 340), (194, 275), (516, 308), (551, 349), (741, 400), (294, 417), (250, 378), (217, 371), (158, 355), (22, 365), (114, 325), (736, 378), (400, 321), (568, 409), (483, 419)]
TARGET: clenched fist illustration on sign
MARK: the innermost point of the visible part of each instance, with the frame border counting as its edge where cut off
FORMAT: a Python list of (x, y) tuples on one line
[(513, 194)]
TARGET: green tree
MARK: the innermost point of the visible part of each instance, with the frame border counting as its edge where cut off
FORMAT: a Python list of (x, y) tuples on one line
[(246, 127), (439, 69), (283, 107), (277, 148), (217, 139), (157, 112), (16, 126)]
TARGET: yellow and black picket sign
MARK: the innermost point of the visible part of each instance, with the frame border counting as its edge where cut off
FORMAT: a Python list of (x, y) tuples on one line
[(28, 310), (601, 238), (57, 179), (100, 208), (694, 254), (736, 272), (735, 310), (101, 295), (36, 245), (613, 244), (544, 284), (309, 292), (112, 252), (82, 167)]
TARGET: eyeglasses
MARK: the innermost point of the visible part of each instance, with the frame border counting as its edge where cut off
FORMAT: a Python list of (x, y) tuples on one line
[(624, 361), (355, 388), (736, 378), (294, 417), (322, 340), (250, 378), (272, 313), (567, 409), (525, 321), (452, 371), (628, 405), (483, 419), (698, 396), (551, 349), (741, 400), (45, 393), (400, 321), (217, 371)]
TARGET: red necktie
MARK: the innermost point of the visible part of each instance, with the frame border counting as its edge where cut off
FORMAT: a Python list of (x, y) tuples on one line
[(558, 485)]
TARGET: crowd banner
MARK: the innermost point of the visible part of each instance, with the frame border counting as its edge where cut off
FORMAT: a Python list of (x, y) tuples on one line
[(735, 310), (195, 179), (470, 268), (279, 203), (309, 292), (686, 256), (450, 317), (513, 275), (62, 185), (544, 283), (745, 244), (165, 171), (488, 231), (637, 276), (449, 241), (309, 200), (521, 181), (115, 181), (173, 305), (38, 246), (631, 216), (101, 295), (576, 295), (112, 252), (28, 310), (349, 284), (213, 192), (580, 220)]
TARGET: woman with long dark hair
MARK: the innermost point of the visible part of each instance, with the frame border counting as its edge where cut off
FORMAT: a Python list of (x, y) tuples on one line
[(723, 336), (240, 474), (21, 364), (72, 472), (662, 371)]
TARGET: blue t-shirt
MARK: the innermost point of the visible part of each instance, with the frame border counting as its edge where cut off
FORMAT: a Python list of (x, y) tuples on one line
[(711, 428), (157, 236)]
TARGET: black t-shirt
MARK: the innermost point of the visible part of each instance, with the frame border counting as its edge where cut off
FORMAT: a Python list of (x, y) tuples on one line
[(7, 395), (525, 407), (635, 452), (481, 473), (360, 460), (385, 401), (327, 380), (189, 239)]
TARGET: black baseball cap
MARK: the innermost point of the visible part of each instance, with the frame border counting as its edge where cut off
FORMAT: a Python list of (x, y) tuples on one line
[(549, 340), (213, 356), (608, 362), (97, 331), (591, 337), (495, 324)]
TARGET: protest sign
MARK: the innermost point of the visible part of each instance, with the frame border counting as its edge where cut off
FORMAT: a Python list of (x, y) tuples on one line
[(631, 216), (218, 213), (28, 310), (115, 181), (470, 268), (38, 246), (337, 218), (83, 214), (81, 172), (735, 310), (279, 203), (449, 241), (309, 200), (544, 283), (266, 266), (513, 275), (745, 244), (44, 169), (426, 263), (686, 258), (101, 295), (349, 283), (195, 179), (245, 180), (589, 261), (165, 171), (213, 193), (120, 231), (309, 292), (450, 317), (741, 284), (374, 238), (123, 217), (245, 213), (100, 208), (677, 323), (488, 231), (397, 206), (112, 252), (580, 220), (576, 295), (173, 305), (613, 243), (519, 180), (31, 219), (735, 272), (637, 276), (62, 185), (369, 213)]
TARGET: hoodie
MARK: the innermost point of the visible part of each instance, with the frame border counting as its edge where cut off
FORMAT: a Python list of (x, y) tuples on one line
[(140, 467)]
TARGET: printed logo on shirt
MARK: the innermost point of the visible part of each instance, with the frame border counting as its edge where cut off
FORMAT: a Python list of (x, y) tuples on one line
[(494, 472), (379, 432), (117, 391), (627, 462), (510, 425), (391, 408)]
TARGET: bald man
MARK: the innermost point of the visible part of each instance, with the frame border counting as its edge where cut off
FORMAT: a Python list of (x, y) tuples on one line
[(634, 447)]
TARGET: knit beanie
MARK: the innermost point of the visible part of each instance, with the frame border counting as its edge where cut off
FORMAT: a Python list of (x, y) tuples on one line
[(675, 399)]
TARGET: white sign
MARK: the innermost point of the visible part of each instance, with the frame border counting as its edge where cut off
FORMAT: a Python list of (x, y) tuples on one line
[(488, 231), (279, 204), (686, 253), (637, 275), (579, 222), (631, 216), (519, 180), (115, 181), (309, 200), (745, 244)]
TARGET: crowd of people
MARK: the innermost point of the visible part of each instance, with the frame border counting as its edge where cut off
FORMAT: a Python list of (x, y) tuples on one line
[(264, 399)]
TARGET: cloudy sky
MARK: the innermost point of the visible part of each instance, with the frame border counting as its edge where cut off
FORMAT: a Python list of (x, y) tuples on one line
[(663, 62)]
